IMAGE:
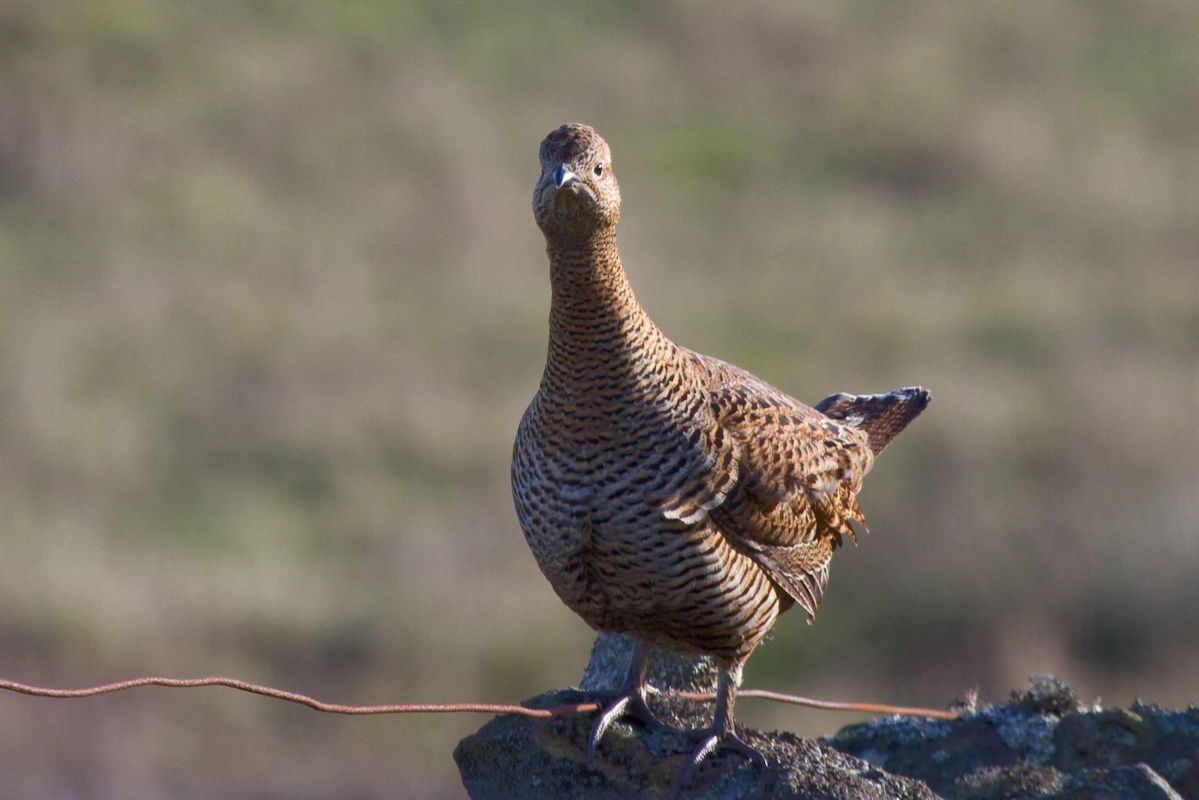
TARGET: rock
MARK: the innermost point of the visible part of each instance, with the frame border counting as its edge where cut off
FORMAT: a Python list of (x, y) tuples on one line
[(522, 757), (1136, 782), (514, 756), (1043, 744), (609, 662)]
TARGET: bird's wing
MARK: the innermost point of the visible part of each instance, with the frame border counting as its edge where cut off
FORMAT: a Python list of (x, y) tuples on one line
[(797, 473)]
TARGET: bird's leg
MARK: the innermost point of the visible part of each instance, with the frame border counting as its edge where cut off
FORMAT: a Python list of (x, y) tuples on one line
[(721, 733), (630, 698)]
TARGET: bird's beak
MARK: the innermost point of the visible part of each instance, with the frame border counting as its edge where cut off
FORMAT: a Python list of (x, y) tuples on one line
[(562, 176)]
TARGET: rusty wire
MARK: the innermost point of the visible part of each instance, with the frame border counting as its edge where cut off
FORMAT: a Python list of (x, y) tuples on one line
[(440, 708)]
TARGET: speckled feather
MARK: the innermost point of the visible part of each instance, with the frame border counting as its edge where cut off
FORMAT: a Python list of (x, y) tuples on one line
[(664, 493)]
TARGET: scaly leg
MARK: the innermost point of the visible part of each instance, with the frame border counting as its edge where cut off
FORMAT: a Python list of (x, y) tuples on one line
[(721, 733), (630, 699)]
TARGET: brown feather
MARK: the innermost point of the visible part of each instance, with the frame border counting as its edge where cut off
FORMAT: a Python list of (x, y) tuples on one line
[(664, 493)]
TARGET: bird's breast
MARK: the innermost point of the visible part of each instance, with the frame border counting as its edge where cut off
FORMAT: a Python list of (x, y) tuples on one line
[(608, 469)]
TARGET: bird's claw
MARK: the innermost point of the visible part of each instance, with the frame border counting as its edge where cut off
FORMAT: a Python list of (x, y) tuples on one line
[(710, 742), (630, 704)]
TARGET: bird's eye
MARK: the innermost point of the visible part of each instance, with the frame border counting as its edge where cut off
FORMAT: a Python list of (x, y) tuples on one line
[(599, 169)]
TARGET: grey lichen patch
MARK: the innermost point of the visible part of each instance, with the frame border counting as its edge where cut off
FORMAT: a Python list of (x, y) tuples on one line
[(1002, 783), (1029, 736), (1176, 723), (903, 731), (1042, 744), (1047, 694)]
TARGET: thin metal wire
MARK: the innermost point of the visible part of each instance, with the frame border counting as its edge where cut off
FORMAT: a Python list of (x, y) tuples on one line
[(844, 705), (442, 708)]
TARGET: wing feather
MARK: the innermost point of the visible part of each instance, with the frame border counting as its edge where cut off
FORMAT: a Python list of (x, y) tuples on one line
[(787, 490)]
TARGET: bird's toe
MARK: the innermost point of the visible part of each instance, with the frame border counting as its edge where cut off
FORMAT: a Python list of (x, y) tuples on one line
[(631, 705), (709, 742)]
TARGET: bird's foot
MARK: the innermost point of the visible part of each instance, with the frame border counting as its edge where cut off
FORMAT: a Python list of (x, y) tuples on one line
[(710, 740), (628, 704)]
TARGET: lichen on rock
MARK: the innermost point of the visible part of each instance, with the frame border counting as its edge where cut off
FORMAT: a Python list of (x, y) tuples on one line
[(1042, 744)]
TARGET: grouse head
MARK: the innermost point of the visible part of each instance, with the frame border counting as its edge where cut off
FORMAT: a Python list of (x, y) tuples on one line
[(577, 196)]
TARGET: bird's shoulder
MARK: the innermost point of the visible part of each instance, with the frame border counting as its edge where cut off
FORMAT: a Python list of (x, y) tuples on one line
[(796, 472), (787, 446)]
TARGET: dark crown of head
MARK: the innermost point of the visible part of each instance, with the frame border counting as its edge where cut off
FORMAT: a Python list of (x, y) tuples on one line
[(568, 141)]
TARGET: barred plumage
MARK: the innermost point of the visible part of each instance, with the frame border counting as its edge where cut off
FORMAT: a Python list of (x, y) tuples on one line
[(666, 494)]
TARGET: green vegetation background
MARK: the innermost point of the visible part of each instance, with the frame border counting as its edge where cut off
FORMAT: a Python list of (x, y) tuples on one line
[(274, 302)]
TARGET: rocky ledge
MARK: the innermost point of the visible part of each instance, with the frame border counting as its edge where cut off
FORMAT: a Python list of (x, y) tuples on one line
[(1041, 744)]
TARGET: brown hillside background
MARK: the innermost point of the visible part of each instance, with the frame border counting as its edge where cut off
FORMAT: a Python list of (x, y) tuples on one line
[(273, 302)]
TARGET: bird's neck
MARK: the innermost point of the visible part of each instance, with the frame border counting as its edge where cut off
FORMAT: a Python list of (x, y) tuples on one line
[(596, 324)]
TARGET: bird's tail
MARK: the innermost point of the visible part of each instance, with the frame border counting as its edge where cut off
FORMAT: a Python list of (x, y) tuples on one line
[(881, 416)]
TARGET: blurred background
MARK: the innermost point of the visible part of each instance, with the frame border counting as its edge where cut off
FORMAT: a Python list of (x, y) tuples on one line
[(274, 302)]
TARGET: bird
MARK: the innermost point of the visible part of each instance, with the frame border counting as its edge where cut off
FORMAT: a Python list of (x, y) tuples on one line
[(666, 494)]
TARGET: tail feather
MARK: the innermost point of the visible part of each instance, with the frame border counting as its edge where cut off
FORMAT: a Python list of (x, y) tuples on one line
[(881, 416)]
